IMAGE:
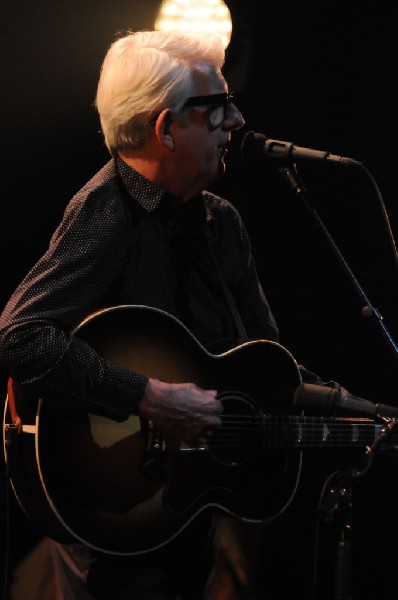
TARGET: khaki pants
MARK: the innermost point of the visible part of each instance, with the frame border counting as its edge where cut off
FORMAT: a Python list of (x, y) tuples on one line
[(33, 578), (237, 546)]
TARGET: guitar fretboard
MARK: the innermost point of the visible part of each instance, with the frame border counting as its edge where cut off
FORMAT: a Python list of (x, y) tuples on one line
[(293, 431)]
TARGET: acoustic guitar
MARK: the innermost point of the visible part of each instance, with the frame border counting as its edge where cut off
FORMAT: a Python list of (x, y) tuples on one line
[(122, 487)]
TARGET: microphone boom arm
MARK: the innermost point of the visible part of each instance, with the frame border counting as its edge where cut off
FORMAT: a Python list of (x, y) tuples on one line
[(296, 186)]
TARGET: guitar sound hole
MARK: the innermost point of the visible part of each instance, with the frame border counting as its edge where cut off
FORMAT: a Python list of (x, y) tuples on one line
[(238, 439)]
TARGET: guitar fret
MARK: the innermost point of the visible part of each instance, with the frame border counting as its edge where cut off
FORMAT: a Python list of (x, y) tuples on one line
[(305, 431), (325, 431)]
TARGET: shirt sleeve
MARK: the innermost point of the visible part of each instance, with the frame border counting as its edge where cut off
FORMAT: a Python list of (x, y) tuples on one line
[(85, 259)]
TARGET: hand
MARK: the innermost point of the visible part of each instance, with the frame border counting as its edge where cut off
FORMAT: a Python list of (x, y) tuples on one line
[(182, 411)]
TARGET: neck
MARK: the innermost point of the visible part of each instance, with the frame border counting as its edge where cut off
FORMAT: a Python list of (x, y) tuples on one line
[(161, 173)]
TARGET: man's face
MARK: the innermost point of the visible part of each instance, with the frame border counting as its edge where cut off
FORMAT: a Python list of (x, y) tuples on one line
[(203, 131)]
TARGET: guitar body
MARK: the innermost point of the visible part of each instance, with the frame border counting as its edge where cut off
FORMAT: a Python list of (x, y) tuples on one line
[(122, 487)]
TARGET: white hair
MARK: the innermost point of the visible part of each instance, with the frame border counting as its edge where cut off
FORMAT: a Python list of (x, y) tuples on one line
[(144, 72)]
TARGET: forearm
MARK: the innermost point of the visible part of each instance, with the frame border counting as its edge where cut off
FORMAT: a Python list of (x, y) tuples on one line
[(70, 374)]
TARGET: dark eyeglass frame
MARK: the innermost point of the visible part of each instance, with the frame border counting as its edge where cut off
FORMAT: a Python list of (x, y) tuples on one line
[(225, 100)]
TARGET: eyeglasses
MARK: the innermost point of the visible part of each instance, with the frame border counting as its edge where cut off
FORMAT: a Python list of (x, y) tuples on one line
[(220, 106)]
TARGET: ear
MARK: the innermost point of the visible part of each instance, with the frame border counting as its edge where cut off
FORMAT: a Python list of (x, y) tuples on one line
[(163, 128)]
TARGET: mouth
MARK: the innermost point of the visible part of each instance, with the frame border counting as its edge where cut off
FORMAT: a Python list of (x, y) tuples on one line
[(224, 145), (223, 148)]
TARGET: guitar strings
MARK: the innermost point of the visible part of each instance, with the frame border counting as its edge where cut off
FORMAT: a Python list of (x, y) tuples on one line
[(294, 431)]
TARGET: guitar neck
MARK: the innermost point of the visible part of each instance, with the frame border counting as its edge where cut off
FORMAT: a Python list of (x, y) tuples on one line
[(315, 432)]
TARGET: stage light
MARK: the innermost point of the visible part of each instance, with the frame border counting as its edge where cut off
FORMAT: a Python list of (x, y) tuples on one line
[(195, 16)]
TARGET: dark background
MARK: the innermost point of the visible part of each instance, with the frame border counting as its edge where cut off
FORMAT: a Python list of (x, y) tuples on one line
[(319, 74)]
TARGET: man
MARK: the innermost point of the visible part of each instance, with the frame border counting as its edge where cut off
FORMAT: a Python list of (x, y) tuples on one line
[(143, 232)]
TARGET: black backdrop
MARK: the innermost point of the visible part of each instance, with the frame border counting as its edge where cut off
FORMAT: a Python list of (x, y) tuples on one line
[(319, 74)]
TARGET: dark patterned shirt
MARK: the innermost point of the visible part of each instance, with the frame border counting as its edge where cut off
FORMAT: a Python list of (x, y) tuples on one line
[(125, 241)]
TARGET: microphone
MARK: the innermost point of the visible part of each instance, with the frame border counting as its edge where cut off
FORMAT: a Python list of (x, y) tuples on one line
[(329, 400), (257, 145)]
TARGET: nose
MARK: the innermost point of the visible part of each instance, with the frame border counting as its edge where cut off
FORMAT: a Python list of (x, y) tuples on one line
[(235, 119)]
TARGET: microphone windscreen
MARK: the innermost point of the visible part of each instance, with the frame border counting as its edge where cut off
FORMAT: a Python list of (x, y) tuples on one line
[(316, 398), (252, 146)]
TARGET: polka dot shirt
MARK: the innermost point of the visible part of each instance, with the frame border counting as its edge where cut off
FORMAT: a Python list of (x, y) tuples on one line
[(123, 241)]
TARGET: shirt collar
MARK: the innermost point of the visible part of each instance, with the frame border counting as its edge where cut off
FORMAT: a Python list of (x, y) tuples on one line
[(145, 192)]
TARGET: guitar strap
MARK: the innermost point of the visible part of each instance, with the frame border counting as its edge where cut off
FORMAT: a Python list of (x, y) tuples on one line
[(12, 430), (228, 295), (11, 391)]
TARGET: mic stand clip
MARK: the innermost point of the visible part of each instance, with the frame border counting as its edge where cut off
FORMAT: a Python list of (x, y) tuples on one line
[(336, 504)]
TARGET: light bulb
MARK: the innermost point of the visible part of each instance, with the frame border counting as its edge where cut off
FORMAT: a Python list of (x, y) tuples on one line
[(196, 16)]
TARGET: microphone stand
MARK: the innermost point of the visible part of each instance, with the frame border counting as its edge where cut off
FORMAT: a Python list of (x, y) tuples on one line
[(336, 504), (289, 173), (336, 497)]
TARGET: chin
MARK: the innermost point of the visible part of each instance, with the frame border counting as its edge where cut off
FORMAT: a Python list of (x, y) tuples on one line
[(214, 174), (221, 168)]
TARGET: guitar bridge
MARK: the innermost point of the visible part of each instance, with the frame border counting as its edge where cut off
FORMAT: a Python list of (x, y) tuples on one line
[(154, 437), (152, 464)]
